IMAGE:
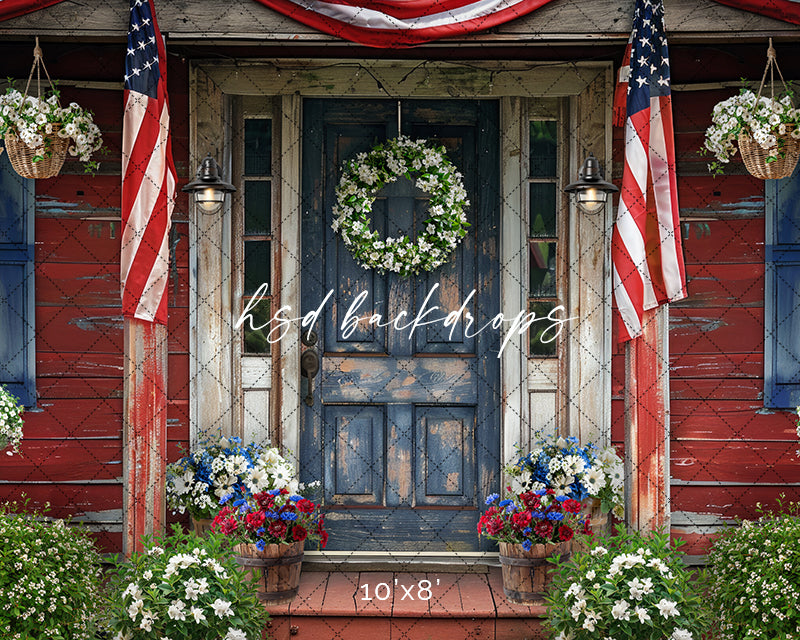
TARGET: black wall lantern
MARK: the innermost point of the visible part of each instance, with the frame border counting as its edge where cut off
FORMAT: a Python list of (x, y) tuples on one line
[(591, 191), (208, 187)]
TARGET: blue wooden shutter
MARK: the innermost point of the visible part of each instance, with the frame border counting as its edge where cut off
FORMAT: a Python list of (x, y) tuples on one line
[(17, 324), (782, 294)]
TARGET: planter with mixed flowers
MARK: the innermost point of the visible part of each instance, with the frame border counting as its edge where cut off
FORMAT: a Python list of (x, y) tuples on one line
[(184, 587), (269, 530), (630, 585), (529, 528), (199, 481), (592, 476)]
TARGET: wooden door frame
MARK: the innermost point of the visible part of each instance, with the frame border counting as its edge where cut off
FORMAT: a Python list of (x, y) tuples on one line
[(586, 89)]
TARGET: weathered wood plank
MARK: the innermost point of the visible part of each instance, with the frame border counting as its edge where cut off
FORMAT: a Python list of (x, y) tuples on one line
[(716, 365), (144, 432), (79, 197), (62, 460), (647, 424), (49, 388), (79, 329), (67, 500), (84, 285), (68, 240), (442, 379), (59, 364), (345, 77), (724, 285), (748, 462), (728, 501), (726, 197), (178, 424), (735, 420), (723, 241), (716, 330), (714, 389), (246, 19)]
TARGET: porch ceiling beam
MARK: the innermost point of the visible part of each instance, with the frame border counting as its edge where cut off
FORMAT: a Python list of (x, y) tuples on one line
[(599, 20)]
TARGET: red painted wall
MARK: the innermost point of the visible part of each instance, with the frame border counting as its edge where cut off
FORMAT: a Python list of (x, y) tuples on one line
[(71, 454), (727, 452)]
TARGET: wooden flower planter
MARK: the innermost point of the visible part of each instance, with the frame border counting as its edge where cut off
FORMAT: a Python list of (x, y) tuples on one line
[(527, 574), (275, 570)]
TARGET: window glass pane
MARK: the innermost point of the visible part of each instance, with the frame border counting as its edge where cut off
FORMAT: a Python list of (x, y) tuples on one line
[(257, 206), (256, 265), (258, 147), (543, 269), (543, 209), (255, 340), (544, 140), (542, 332)]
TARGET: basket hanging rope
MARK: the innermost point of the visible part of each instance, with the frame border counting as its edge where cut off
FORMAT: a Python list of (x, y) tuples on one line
[(46, 160), (780, 160)]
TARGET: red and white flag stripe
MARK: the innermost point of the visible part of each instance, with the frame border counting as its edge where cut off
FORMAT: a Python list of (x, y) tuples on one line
[(392, 23), (148, 172), (647, 257)]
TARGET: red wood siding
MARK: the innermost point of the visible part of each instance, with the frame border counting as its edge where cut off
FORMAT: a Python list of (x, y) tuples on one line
[(727, 453), (72, 448)]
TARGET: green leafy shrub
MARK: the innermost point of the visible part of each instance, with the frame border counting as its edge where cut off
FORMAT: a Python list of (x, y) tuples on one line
[(626, 586), (753, 577), (49, 578), (184, 587)]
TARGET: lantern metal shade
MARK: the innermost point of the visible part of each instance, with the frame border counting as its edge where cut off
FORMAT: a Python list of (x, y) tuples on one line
[(591, 191), (208, 187)]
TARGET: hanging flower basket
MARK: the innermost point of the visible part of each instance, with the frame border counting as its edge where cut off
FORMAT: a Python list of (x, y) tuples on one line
[(38, 132), (770, 163), (44, 161), (766, 129)]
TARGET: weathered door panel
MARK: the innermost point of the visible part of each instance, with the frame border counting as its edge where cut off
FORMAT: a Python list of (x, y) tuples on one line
[(404, 432)]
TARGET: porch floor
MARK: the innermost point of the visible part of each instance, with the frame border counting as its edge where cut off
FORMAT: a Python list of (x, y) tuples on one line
[(459, 606)]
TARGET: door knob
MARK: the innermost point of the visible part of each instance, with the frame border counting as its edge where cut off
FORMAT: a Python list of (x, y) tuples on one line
[(309, 366)]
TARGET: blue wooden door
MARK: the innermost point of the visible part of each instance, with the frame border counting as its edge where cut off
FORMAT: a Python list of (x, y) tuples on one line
[(404, 432)]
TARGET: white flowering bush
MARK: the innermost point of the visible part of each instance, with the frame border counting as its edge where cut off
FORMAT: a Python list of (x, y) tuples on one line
[(753, 577), (797, 428), (431, 171), (184, 587), (626, 586), (225, 468), (38, 121), (10, 421), (769, 121), (49, 578), (571, 470)]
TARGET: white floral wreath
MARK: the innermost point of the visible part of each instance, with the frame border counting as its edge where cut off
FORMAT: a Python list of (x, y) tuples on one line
[(369, 172)]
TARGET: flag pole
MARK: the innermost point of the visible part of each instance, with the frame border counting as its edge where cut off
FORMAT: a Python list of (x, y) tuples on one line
[(144, 431)]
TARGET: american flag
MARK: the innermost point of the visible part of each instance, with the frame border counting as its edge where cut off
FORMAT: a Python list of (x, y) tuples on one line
[(646, 251), (148, 173), (400, 23)]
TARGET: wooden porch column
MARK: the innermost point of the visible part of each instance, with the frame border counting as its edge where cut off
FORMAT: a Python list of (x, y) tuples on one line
[(144, 436), (647, 423)]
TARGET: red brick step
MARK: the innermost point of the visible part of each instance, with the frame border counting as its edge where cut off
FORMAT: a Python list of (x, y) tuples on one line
[(335, 605)]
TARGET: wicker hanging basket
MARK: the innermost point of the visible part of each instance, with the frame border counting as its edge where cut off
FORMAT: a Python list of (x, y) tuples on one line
[(52, 154), (49, 156), (778, 161), (785, 156)]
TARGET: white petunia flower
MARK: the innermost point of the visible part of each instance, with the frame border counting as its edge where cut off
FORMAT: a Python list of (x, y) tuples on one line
[(667, 608), (222, 608)]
